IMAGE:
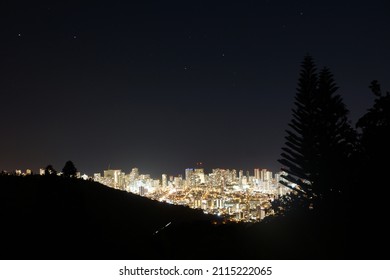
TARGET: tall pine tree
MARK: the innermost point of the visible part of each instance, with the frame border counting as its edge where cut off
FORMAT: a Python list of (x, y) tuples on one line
[(69, 169), (320, 138), (296, 156), (336, 138)]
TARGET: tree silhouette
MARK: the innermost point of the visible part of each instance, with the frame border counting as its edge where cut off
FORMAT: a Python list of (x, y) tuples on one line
[(371, 172), (50, 171), (374, 142), (69, 169), (375, 126), (336, 138), (320, 138)]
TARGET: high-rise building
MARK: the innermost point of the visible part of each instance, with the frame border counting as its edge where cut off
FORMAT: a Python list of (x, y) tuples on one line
[(265, 175), (134, 174), (156, 184), (188, 173), (114, 176), (164, 180), (141, 190), (234, 174), (240, 176), (200, 175), (177, 182), (257, 173), (281, 189)]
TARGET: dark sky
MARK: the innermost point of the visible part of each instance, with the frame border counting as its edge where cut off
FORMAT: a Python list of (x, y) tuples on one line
[(162, 85)]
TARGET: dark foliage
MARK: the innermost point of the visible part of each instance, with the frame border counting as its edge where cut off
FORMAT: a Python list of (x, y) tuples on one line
[(375, 126), (69, 170), (371, 185), (50, 171)]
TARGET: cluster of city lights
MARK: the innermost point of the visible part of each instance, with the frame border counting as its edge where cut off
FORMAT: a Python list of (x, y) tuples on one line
[(232, 195)]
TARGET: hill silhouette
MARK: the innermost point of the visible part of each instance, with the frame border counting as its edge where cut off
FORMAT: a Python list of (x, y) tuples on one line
[(51, 217)]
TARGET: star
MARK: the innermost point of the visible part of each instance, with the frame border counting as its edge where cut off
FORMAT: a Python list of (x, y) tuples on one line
[(19, 35), (74, 37), (301, 13)]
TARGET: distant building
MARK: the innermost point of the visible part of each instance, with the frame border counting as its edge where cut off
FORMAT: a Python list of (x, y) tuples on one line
[(188, 173), (164, 180), (265, 175), (134, 174), (257, 173), (156, 184), (261, 213), (177, 182), (197, 203), (141, 190), (115, 176), (200, 175)]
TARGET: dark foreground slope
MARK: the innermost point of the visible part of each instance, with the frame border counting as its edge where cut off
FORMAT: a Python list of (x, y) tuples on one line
[(58, 218)]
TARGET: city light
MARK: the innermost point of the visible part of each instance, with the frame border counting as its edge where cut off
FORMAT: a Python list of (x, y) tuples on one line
[(225, 193)]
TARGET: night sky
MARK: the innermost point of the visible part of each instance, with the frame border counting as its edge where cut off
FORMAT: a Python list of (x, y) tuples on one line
[(162, 85)]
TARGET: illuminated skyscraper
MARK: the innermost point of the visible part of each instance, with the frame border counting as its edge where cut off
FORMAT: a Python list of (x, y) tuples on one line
[(134, 174), (188, 173), (141, 190), (200, 175), (257, 173), (164, 180), (265, 175), (240, 176), (234, 174), (114, 176), (178, 182), (156, 183)]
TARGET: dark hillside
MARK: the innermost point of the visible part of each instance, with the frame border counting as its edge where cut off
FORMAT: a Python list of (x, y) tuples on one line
[(44, 217), (54, 217)]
